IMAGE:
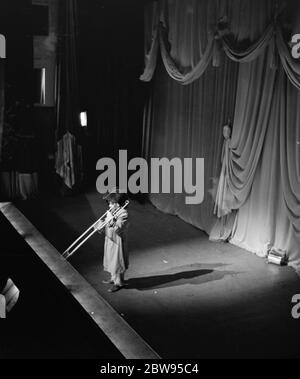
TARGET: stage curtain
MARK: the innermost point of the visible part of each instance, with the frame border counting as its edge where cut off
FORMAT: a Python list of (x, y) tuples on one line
[(191, 26), (191, 33), (257, 176), (251, 120), (16, 185), (186, 38), (19, 180), (151, 42), (290, 65), (69, 151), (270, 215), (252, 51), (183, 32), (187, 121)]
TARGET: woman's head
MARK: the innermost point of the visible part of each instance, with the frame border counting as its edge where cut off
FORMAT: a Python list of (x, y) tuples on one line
[(226, 132), (116, 197), (113, 205)]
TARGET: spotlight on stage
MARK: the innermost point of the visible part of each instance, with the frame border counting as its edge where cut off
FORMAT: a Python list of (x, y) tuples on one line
[(9, 295), (83, 119)]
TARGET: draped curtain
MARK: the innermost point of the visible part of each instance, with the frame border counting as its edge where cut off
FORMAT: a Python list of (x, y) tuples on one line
[(269, 215), (234, 61), (18, 171), (186, 121), (69, 152)]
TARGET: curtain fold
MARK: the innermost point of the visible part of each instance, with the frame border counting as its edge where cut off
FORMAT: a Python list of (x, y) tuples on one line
[(290, 65), (186, 52), (251, 119), (186, 48), (171, 67), (270, 215), (188, 33), (151, 42), (16, 185), (256, 188), (251, 52), (289, 123), (186, 121), (69, 152)]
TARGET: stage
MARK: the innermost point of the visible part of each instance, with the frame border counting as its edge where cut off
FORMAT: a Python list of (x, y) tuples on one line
[(185, 296)]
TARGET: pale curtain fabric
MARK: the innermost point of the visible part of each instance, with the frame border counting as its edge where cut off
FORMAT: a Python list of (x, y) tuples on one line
[(289, 136), (68, 159), (190, 32), (187, 33), (251, 52), (257, 191), (290, 65), (151, 42), (252, 117), (184, 36), (187, 121), (271, 213), (186, 40)]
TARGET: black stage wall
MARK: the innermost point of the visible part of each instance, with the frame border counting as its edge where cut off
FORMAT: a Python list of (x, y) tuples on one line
[(110, 48)]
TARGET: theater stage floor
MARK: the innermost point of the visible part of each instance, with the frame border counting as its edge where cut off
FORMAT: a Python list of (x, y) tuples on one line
[(186, 296)]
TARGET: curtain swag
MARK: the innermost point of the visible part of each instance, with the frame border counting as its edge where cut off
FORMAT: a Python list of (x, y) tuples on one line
[(216, 41), (255, 199)]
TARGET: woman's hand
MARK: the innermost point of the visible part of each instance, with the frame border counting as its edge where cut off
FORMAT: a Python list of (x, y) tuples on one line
[(98, 226), (110, 219)]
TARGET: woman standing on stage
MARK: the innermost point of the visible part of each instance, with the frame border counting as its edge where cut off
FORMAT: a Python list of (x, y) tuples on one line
[(115, 259)]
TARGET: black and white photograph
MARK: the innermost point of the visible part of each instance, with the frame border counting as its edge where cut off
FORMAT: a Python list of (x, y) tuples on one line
[(149, 182)]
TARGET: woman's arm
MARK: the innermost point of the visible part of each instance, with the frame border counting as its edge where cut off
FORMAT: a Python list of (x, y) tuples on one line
[(121, 221)]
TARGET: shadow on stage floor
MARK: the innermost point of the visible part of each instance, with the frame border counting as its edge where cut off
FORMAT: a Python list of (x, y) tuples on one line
[(180, 278), (186, 296)]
